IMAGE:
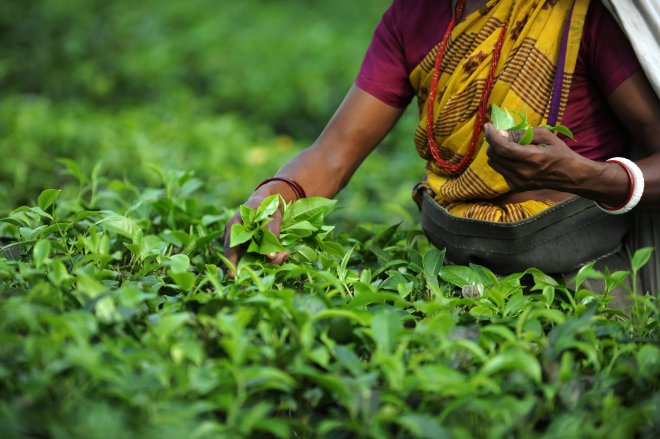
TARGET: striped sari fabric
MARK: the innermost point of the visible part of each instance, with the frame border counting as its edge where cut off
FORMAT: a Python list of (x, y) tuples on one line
[(524, 81)]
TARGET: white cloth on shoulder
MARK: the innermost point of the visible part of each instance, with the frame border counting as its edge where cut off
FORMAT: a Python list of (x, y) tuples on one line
[(640, 21)]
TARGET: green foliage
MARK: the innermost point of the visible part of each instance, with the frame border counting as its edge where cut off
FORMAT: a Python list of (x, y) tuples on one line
[(252, 229), (302, 226), (117, 318), (288, 62), (231, 90)]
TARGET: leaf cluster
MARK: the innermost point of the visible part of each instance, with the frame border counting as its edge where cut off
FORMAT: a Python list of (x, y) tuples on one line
[(302, 221), (502, 119), (116, 318)]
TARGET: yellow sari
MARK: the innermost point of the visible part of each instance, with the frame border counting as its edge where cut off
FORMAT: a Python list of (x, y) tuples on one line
[(524, 81)]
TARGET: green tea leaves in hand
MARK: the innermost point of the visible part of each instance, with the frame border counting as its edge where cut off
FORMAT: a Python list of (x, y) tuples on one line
[(502, 119)]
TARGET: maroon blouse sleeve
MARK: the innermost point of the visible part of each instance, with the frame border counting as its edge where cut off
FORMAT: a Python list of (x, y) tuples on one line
[(383, 73), (611, 59)]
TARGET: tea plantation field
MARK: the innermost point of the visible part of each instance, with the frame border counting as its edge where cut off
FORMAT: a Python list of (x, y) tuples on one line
[(131, 132)]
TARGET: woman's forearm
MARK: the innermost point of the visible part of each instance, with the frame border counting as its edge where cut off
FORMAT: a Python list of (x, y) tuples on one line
[(319, 174), (636, 105), (327, 165), (609, 184)]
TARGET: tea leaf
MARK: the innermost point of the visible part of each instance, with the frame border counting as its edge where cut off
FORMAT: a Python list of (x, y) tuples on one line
[(41, 252), (432, 261), (423, 426), (648, 360), (501, 118), (586, 272), (523, 124), (301, 229), (459, 275), (385, 328), (561, 129), (514, 360), (306, 209), (184, 280), (179, 263), (641, 258), (268, 207), (119, 224), (248, 215), (527, 138), (270, 244), (239, 235), (47, 198), (614, 279)]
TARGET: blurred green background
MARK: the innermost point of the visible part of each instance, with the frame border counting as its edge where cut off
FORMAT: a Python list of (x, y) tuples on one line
[(227, 89)]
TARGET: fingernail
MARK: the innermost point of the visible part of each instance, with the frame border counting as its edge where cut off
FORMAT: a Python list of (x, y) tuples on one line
[(272, 255), (504, 133)]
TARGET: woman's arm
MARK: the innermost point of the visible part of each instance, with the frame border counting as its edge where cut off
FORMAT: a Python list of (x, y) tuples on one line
[(357, 127), (557, 167), (637, 106), (322, 169)]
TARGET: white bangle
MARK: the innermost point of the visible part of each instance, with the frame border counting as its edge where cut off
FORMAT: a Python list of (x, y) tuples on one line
[(636, 178)]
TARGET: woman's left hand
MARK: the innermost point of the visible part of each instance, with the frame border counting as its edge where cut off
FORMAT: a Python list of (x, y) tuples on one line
[(546, 163)]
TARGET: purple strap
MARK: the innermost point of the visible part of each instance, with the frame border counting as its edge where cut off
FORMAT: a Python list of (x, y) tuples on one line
[(559, 76)]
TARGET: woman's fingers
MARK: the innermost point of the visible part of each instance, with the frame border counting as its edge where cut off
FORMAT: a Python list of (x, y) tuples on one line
[(524, 167), (274, 227), (543, 136), (501, 143), (547, 163), (233, 254)]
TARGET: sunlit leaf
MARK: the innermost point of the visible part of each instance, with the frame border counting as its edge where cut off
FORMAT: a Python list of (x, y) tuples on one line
[(239, 235), (459, 275), (179, 263), (615, 279), (306, 208), (423, 426), (432, 261), (559, 128), (501, 118), (641, 258), (48, 197), (248, 214), (527, 138), (385, 328), (41, 252), (270, 244), (648, 360), (268, 207), (119, 224), (586, 272)]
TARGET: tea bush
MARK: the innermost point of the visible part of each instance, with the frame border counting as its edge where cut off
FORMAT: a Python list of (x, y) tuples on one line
[(130, 132), (118, 320)]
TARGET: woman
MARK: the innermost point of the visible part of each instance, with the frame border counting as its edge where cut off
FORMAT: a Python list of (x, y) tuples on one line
[(555, 61)]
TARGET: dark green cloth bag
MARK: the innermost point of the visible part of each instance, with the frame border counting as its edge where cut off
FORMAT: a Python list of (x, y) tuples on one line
[(557, 240)]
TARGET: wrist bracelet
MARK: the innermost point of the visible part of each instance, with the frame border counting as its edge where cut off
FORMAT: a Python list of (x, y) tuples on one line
[(636, 179), (297, 189)]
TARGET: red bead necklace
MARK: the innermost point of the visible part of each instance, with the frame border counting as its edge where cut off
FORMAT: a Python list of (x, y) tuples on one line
[(456, 168)]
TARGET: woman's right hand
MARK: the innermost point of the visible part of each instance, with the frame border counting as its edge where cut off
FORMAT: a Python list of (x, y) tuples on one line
[(234, 254), (322, 169)]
